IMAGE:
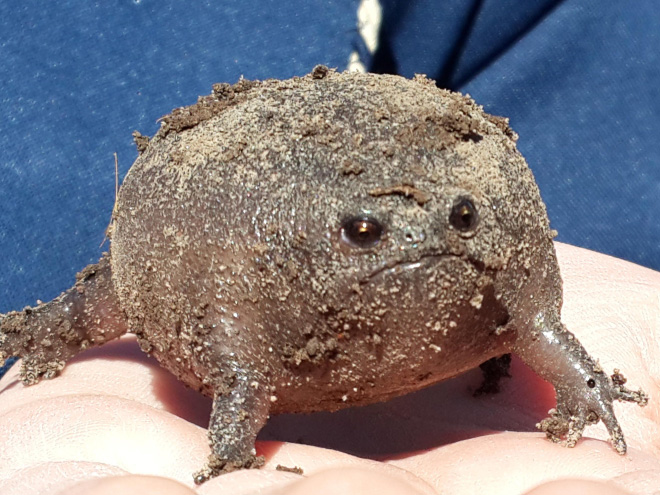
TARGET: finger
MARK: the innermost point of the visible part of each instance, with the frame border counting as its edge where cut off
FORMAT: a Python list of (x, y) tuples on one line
[(48, 478), (614, 309), (614, 306), (364, 479), (129, 485), (313, 461), (118, 369), (100, 429), (577, 487), (350, 481), (508, 463)]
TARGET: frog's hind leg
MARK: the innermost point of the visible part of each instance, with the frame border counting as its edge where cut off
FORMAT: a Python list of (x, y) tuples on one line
[(493, 371), (50, 334)]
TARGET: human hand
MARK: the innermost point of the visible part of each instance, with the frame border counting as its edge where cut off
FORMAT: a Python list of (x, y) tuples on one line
[(115, 422)]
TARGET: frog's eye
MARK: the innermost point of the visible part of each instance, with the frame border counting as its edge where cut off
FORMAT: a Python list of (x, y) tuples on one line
[(363, 232), (464, 216)]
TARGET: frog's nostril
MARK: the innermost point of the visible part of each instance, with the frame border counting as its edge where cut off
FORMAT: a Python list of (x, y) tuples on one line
[(414, 236)]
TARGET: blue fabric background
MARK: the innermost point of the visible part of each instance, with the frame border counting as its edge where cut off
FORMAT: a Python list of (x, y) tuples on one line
[(579, 79)]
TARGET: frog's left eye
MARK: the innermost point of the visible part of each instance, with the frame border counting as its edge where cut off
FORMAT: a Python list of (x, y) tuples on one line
[(362, 232), (464, 216)]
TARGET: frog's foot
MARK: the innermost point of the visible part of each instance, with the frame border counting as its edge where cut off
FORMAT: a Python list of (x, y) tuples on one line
[(217, 466), (17, 340), (577, 409)]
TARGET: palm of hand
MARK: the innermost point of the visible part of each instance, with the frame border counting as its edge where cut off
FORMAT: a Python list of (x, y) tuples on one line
[(115, 412)]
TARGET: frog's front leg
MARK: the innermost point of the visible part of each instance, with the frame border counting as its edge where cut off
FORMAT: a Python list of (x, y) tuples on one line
[(48, 336), (241, 405), (584, 391)]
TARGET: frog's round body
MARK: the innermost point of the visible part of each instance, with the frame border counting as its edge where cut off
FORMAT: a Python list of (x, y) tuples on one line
[(228, 238), (308, 244)]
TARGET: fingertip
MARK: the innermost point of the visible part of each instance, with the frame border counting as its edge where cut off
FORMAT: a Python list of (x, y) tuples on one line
[(350, 481), (577, 487), (129, 485)]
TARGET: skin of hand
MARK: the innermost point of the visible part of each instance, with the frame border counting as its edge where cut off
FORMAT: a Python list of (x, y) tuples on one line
[(115, 422)]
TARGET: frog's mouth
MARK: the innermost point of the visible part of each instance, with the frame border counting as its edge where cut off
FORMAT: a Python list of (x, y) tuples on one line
[(400, 267)]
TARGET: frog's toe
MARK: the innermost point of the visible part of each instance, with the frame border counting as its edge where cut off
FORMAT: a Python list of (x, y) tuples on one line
[(216, 466), (624, 394), (12, 336), (616, 437), (564, 428), (34, 368), (554, 426), (605, 412)]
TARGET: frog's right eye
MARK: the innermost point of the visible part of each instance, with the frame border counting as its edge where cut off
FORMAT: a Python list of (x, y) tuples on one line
[(362, 231)]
